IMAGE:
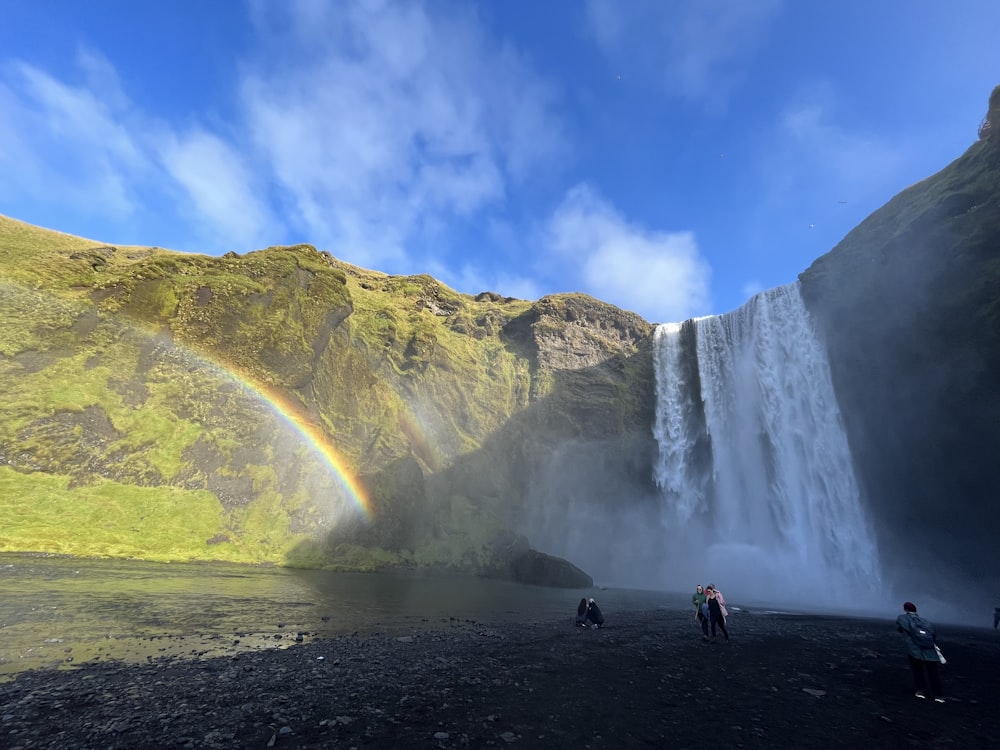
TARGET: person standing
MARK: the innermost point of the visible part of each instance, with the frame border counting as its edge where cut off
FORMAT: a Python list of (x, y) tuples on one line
[(699, 599), (923, 655), (717, 613)]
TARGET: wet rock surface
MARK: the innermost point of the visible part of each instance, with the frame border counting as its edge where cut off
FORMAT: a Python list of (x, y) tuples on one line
[(645, 680)]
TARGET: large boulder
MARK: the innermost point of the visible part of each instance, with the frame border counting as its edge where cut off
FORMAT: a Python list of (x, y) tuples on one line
[(513, 559)]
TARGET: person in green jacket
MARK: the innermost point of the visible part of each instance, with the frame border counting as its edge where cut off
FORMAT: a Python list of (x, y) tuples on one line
[(921, 648), (700, 601)]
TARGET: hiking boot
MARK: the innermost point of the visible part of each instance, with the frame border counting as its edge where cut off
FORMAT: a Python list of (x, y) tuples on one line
[(920, 694)]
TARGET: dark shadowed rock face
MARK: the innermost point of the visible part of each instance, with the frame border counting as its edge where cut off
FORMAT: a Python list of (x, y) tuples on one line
[(538, 569), (991, 122), (909, 306), (511, 558)]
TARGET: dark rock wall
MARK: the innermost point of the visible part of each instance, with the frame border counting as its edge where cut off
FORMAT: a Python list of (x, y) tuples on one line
[(909, 307)]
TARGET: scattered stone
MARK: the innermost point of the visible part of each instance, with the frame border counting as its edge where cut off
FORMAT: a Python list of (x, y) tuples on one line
[(438, 686)]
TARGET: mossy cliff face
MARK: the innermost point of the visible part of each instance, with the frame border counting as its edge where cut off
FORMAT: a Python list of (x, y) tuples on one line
[(143, 384), (909, 306)]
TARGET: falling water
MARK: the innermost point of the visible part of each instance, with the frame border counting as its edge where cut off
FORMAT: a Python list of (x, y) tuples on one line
[(756, 473)]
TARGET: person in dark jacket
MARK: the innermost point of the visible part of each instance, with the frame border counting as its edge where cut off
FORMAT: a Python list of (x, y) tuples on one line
[(699, 599), (594, 615), (581, 613), (922, 652), (716, 611)]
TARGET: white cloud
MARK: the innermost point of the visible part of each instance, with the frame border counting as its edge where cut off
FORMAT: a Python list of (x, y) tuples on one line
[(86, 149), (67, 144), (385, 132), (660, 275), (695, 49), (379, 119), (220, 188)]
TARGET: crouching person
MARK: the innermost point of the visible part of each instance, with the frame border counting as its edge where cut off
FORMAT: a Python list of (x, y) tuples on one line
[(595, 615)]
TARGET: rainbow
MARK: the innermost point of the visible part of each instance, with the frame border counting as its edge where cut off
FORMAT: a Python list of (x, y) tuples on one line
[(292, 414), (283, 407)]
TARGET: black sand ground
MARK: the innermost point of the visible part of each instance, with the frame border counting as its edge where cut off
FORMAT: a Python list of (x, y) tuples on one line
[(645, 680)]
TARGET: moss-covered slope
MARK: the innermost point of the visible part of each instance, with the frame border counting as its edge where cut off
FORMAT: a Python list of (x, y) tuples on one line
[(170, 406)]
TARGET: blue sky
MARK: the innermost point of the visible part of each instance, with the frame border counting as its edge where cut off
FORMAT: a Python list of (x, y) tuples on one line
[(671, 157)]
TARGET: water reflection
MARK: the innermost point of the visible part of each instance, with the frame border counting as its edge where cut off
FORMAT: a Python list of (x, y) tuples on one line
[(59, 612)]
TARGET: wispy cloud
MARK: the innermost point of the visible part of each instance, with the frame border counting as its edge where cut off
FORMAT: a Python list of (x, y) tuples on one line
[(86, 148), (820, 168), (219, 190), (822, 160), (397, 119), (817, 146), (660, 275), (366, 128), (389, 133), (694, 49), (68, 143)]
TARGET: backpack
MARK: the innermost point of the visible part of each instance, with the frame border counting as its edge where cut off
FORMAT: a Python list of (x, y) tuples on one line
[(921, 631)]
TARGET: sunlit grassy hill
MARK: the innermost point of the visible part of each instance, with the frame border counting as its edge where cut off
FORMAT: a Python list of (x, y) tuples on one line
[(280, 406)]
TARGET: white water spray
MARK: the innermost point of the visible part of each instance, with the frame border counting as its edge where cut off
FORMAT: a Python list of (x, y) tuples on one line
[(758, 482)]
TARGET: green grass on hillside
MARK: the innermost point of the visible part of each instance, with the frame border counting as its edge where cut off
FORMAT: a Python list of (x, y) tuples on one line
[(42, 513)]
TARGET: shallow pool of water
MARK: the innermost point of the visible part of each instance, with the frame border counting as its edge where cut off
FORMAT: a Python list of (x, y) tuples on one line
[(59, 612)]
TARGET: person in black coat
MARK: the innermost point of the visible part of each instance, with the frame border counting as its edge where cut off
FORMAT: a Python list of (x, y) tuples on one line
[(594, 615), (922, 651), (581, 613)]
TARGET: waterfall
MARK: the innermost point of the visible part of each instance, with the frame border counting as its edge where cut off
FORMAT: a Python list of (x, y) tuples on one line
[(759, 490)]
